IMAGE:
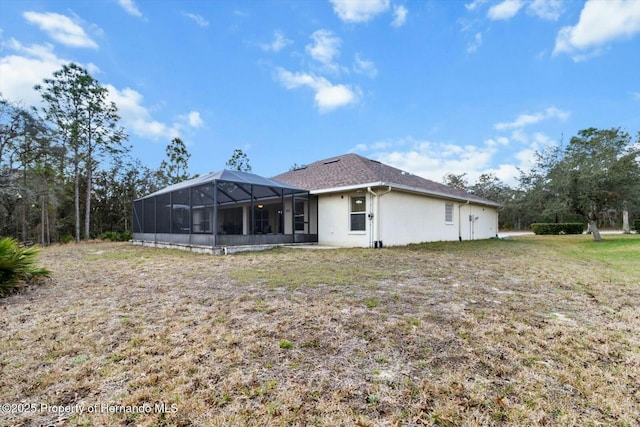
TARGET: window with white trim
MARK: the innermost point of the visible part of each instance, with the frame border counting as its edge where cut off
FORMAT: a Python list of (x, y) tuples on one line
[(448, 212), (358, 213)]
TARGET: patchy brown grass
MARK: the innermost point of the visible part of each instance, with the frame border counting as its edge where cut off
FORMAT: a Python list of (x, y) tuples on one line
[(534, 331)]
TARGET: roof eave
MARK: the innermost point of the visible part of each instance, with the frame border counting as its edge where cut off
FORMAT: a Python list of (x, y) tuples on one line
[(447, 196), (348, 188), (406, 188)]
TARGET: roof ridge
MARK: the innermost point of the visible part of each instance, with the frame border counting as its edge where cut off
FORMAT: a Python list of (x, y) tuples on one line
[(351, 169)]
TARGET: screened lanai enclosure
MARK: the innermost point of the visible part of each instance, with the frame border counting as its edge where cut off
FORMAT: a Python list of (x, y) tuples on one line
[(227, 208)]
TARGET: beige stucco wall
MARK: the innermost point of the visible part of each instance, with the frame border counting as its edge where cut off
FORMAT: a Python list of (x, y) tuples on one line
[(401, 218), (333, 222)]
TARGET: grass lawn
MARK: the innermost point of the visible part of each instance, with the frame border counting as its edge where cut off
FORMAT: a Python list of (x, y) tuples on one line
[(541, 330)]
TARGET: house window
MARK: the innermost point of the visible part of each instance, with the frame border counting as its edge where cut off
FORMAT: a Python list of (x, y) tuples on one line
[(448, 212), (358, 214)]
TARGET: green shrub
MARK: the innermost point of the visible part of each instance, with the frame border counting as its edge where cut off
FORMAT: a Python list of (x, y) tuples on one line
[(636, 225), (17, 266), (66, 238), (285, 344), (116, 236), (110, 235), (558, 228)]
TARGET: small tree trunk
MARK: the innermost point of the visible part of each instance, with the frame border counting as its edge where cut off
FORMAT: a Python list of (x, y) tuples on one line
[(592, 216), (625, 219), (48, 238), (593, 227), (76, 186), (42, 208), (87, 214)]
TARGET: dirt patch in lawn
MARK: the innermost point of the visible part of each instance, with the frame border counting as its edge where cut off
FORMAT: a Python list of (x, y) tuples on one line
[(473, 333)]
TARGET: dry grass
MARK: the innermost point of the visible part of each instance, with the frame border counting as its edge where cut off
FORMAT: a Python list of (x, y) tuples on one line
[(534, 331)]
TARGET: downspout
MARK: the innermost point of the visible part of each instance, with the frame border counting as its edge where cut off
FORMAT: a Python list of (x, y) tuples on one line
[(251, 230), (460, 220), (376, 218), (372, 228)]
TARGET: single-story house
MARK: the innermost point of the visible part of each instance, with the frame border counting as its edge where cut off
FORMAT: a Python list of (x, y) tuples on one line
[(348, 201), (363, 202)]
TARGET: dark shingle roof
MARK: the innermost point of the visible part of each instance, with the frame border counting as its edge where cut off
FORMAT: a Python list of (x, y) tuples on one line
[(352, 170)]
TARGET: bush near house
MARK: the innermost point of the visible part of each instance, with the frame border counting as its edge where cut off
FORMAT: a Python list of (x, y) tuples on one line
[(115, 236), (557, 228), (17, 266)]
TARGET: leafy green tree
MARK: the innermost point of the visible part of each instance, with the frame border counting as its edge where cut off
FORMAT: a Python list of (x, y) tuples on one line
[(598, 170), (10, 131), (490, 187), (458, 182), (64, 96), (239, 161), (176, 168), (115, 190), (86, 124), (24, 145), (102, 136)]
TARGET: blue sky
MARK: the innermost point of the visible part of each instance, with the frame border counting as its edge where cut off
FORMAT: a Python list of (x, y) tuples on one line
[(431, 87)]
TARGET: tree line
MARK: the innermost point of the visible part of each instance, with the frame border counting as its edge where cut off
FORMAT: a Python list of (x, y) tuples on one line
[(594, 179), (66, 170), (67, 173)]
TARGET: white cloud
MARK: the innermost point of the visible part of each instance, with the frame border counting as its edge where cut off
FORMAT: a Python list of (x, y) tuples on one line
[(636, 95), (505, 156), (475, 44), (546, 9), (529, 119), (30, 66), (431, 160), (376, 146), (363, 66), (600, 22), (327, 97), (524, 159), (359, 10), (475, 4), (399, 16), (197, 19), (278, 43), (325, 47), (508, 173), (61, 28), (495, 142), (130, 7), (137, 118), (505, 10), (195, 121)]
